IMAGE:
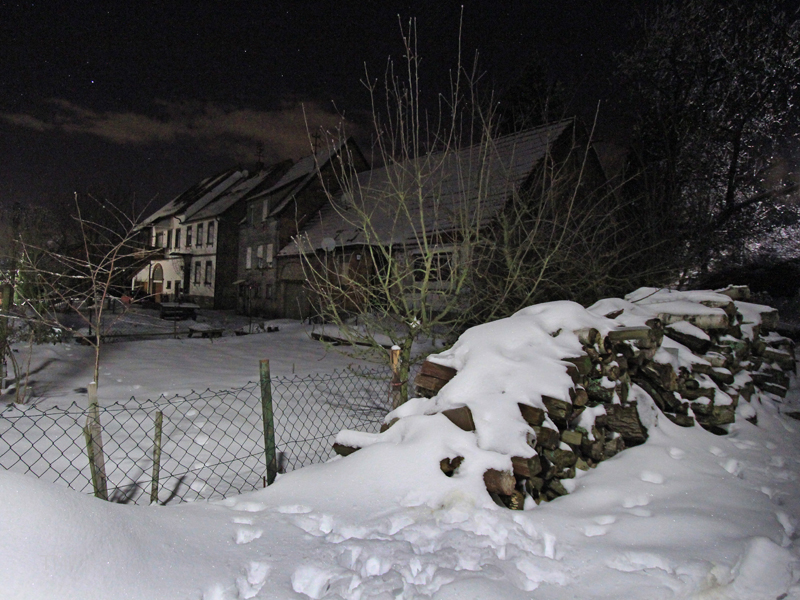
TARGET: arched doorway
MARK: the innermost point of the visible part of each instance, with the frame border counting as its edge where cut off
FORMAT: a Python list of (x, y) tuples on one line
[(157, 282)]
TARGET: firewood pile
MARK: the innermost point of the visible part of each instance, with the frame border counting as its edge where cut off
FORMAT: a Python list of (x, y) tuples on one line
[(703, 357)]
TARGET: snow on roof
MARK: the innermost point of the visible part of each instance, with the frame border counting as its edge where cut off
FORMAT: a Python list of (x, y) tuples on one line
[(298, 176), (212, 196), (209, 187), (240, 190), (474, 181)]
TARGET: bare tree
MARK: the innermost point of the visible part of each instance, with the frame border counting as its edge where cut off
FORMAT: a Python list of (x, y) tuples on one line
[(455, 228), (68, 285)]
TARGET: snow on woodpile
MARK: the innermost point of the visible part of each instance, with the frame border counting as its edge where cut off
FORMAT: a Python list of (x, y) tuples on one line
[(557, 388)]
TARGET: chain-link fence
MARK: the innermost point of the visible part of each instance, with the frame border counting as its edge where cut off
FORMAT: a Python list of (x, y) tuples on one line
[(212, 443)]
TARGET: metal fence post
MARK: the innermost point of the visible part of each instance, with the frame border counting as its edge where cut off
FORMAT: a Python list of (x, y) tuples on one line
[(156, 458), (94, 441), (269, 425)]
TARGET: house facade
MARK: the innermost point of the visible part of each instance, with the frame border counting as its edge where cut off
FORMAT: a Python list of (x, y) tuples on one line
[(198, 232), (419, 212), (268, 287)]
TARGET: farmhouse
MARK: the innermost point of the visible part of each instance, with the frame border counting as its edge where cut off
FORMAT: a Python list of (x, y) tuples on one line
[(422, 208), (274, 216), (199, 232)]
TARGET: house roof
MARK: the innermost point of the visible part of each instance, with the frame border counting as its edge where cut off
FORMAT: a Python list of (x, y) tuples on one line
[(210, 187), (431, 194), (296, 178), (212, 196)]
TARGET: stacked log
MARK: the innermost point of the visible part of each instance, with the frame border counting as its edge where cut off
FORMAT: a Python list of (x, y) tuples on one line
[(697, 366)]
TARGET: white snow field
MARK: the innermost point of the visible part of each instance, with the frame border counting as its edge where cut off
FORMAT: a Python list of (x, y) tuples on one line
[(688, 514)]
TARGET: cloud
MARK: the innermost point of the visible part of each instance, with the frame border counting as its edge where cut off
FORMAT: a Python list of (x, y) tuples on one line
[(27, 121), (216, 128)]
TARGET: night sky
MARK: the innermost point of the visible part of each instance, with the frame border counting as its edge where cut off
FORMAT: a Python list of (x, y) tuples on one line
[(146, 98)]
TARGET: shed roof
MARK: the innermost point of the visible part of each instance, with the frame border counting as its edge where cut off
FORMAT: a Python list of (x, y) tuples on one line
[(431, 194)]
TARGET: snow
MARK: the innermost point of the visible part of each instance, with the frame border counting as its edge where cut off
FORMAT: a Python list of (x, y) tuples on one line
[(685, 515)]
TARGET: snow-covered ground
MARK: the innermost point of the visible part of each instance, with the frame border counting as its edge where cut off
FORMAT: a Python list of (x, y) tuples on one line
[(688, 514)]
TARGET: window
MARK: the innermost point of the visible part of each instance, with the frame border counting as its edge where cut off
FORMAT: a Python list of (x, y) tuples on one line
[(260, 256), (169, 285), (252, 209), (159, 239), (208, 273), (264, 210), (270, 254), (210, 240), (177, 238), (199, 235), (189, 236), (197, 267), (169, 238), (248, 260)]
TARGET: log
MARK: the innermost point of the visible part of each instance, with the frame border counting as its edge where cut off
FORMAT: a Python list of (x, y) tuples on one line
[(582, 363), (641, 336), (432, 378), (625, 421), (572, 438), (680, 420), (343, 450), (579, 398), (461, 417), (439, 371), (558, 410), (526, 467), (696, 344), (546, 437), (499, 482), (531, 414), (588, 336), (736, 292), (450, 465)]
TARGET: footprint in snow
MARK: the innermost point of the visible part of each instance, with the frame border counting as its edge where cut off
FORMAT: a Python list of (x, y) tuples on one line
[(651, 477), (677, 453), (777, 461), (294, 509), (315, 524), (719, 452), (640, 512), (595, 530), (249, 506), (745, 444), (245, 536), (732, 466), (242, 520), (634, 501), (253, 580), (771, 445), (311, 580), (605, 519)]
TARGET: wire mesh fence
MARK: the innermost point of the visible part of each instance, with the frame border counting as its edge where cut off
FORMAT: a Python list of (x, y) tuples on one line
[(212, 443)]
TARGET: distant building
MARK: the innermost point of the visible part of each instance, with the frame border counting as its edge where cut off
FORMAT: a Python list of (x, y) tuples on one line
[(474, 183), (274, 216), (199, 234)]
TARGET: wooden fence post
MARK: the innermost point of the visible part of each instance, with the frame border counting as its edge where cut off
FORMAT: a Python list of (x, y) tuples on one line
[(156, 458), (94, 445), (269, 425), (395, 395)]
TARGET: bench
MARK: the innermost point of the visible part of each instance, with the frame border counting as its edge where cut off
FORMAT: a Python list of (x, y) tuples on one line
[(205, 331), (178, 311)]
